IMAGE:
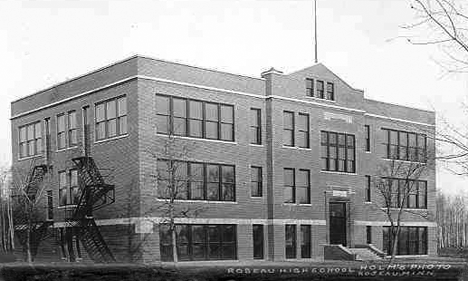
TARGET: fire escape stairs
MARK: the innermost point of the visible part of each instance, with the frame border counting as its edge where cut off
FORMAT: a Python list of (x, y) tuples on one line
[(95, 194)]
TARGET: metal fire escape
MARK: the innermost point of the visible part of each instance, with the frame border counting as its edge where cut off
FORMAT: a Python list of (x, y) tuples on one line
[(39, 232), (95, 194)]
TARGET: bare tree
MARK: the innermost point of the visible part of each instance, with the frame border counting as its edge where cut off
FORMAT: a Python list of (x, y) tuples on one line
[(172, 155), (396, 183), (28, 208), (443, 23), (6, 217)]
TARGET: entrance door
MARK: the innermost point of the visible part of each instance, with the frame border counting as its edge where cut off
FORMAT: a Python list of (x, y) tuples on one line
[(338, 223)]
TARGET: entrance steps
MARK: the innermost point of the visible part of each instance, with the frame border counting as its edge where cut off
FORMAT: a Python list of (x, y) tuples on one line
[(364, 254), (357, 253)]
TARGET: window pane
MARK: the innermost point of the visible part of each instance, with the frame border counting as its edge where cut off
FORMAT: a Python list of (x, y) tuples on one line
[(111, 110), (122, 106), (162, 124), (100, 112), (179, 126), (162, 105), (258, 238), (196, 127), (254, 117), (289, 177), (60, 124), (227, 132), (123, 125), (288, 138), (211, 130), (112, 128), (211, 111), (72, 120), (38, 133), (303, 122), (195, 109), (179, 107), (227, 114), (100, 130)]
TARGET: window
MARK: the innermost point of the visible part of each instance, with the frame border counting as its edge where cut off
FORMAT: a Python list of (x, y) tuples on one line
[(179, 108), (258, 243), (74, 196), (288, 128), (367, 139), (303, 186), (320, 89), (255, 126), (310, 87), (256, 185), (338, 152), (199, 242), (306, 243), (63, 188), (289, 186), (368, 189), (369, 234), (411, 193), (330, 91), (68, 188), (196, 181), (61, 133), (111, 118), (407, 146), (72, 137), (411, 240), (196, 119), (303, 134), (296, 185), (30, 140), (290, 241), (50, 205), (192, 118)]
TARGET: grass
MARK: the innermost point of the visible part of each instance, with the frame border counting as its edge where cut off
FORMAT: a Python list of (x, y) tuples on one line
[(242, 270)]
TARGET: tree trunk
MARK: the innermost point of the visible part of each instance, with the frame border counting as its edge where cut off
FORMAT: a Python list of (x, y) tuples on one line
[(174, 244)]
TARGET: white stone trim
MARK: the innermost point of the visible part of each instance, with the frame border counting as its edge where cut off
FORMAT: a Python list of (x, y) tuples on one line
[(398, 119), (218, 90), (74, 97), (135, 220), (403, 223)]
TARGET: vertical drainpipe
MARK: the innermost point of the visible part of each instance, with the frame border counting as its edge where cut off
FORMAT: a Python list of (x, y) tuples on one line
[(269, 77)]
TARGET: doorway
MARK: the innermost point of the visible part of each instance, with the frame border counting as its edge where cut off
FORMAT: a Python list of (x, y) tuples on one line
[(338, 223)]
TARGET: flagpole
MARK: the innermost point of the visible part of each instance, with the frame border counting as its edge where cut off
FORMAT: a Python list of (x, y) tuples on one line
[(315, 26)]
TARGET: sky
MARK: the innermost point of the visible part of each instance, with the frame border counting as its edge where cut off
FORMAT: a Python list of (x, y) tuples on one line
[(44, 42)]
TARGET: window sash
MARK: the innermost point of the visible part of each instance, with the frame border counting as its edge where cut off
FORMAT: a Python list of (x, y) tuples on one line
[(258, 241), (111, 120), (200, 242), (255, 126), (310, 87), (219, 185), (30, 140), (338, 152), (256, 182), (401, 145), (306, 241), (303, 124), (288, 128), (290, 241)]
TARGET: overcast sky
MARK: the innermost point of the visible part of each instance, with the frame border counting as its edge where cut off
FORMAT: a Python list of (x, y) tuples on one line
[(43, 42)]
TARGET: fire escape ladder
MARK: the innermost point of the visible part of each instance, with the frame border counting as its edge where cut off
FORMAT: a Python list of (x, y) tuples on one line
[(34, 179), (94, 195), (94, 243)]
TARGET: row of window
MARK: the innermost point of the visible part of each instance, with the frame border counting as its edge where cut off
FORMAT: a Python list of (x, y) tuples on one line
[(216, 182), (316, 88), (111, 121), (219, 242), (338, 152), (405, 146), (199, 242), (411, 241), (400, 192), (196, 181), (194, 118)]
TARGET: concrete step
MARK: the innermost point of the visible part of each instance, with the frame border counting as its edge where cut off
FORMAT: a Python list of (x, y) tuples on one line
[(364, 254)]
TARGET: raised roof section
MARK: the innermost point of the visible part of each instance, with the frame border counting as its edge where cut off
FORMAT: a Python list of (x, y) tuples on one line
[(399, 111)]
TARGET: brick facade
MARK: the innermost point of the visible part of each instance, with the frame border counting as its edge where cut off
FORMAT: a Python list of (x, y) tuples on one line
[(130, 160)]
